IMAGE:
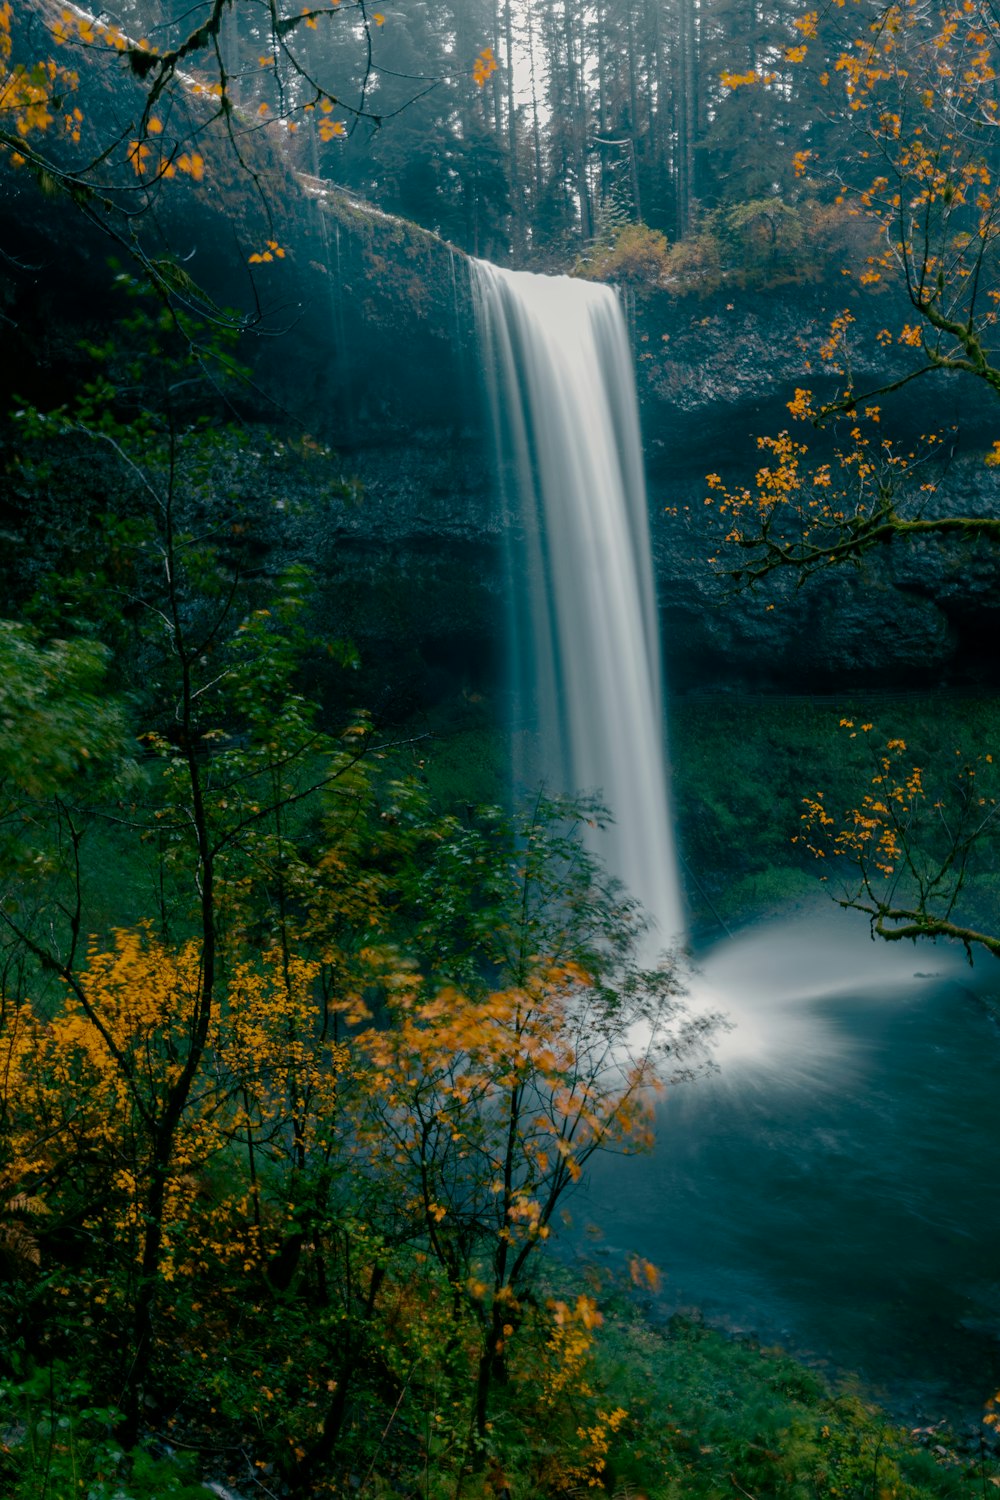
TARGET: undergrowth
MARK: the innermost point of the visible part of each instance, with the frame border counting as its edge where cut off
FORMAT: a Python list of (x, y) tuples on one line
[(679, 1412)]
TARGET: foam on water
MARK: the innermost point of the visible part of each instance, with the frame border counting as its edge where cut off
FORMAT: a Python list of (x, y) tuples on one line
[(780, 984)]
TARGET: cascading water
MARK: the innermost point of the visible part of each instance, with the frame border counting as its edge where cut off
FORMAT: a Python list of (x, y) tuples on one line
[(826, 1187), (586, 636)]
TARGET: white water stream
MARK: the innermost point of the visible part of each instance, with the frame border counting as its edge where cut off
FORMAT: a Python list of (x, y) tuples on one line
[(826, 1186), (585, 628)]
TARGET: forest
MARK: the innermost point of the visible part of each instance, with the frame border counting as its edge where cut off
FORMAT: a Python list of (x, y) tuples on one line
[(333, 1050)]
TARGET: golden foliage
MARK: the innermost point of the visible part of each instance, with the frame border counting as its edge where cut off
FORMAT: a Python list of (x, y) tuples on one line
[(484, 67), (89, 1085), (808, 514), (905, 848)]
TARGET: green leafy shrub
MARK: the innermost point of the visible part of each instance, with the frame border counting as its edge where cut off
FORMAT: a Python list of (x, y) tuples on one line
[(59, 1443)]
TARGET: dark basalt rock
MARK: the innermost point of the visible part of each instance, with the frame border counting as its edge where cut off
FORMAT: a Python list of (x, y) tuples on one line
[(366, 340), (919, 613), (712, 378)]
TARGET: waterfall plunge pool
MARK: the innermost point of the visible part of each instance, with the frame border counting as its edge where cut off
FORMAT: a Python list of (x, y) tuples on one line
[(832, 1187)]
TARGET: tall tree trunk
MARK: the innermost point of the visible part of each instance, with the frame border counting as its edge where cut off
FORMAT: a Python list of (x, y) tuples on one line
[(686, 115), (536, 128), (164, 1130), (517, 203), (578, 120)]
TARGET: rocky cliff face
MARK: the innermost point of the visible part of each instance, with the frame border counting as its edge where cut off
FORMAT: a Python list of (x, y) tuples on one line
[(713, 377), (358, 337), (366, 339)]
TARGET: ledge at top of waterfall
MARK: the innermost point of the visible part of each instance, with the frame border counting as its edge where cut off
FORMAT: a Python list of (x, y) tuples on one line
[(584, 627)]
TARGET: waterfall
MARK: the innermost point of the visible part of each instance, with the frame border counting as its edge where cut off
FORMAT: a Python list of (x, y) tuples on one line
[(585, 631)]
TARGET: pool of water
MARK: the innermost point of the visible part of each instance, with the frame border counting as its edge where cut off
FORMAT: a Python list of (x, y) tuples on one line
[(834, 1186)]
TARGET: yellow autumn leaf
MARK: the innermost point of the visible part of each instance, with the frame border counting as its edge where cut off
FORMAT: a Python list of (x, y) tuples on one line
[(484, 67), (137, 155), (192, 164)]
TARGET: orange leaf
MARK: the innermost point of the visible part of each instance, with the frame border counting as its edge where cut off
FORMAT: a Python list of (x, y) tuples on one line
[(193, 165)]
